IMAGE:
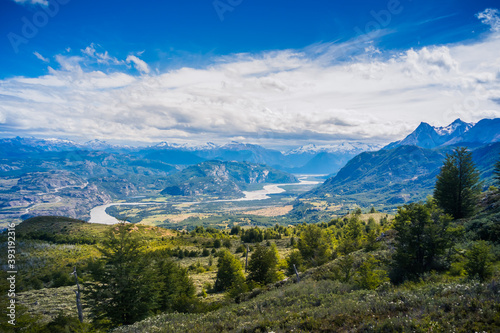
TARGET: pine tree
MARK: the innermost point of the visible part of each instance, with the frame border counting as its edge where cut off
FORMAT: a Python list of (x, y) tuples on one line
[(314, 245), (229, 273), (496, 173), (123, 289), (177, 291), (263, 265), (457, 186), (423, 235)]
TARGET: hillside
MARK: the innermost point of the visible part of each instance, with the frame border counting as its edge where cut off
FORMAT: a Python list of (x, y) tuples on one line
[(391, 177), (329, 297), (222, 179), (60, 229), (46, 181)]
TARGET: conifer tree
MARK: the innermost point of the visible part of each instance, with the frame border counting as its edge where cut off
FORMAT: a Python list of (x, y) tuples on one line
[(229, 273), (123, 290), (423, 234), (263, 265), (314, 245), (176, 289), (457, 186), (496, 173)]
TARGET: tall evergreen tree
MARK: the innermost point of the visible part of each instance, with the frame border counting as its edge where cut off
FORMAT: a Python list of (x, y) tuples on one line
[(263, 265), (176, 290), (496, 172), (353, 236), (423, 235), (457, 186), (314, 245), (123, 290), (229, 273)]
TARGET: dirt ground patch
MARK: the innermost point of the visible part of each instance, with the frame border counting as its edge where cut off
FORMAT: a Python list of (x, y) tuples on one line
[(271, 211)]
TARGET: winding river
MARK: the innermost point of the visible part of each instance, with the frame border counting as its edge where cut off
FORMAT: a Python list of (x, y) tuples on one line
[(98, 214)]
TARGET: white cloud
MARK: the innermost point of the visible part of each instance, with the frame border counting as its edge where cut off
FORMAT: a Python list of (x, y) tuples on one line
[(101, 58), (435, 61), (491, 17), (293, 96), (33, 2), (139, 64), (41, 57), (89, 50)]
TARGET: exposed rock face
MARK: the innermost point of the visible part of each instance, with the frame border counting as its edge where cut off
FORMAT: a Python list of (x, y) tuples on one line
[(222, 179)]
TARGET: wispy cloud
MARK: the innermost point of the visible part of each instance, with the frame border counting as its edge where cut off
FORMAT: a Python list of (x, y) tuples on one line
[(139, 64), (32, 2), (326, 92), (491, 17), (41, 57), (101, 58)]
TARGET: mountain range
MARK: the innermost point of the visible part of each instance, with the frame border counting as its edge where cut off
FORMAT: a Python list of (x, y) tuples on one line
[(222, 179), (405, 171), (52, 176), (458, 132), (61, 177), (308, 159)]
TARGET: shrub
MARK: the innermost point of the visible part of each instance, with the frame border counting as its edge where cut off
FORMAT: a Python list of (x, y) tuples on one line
[(479, 261), (294, 258), (368, 277)]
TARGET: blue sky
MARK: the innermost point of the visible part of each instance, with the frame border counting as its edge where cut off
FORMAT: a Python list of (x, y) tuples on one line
[(232, 69)]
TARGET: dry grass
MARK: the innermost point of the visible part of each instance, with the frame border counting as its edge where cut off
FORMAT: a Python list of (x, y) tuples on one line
[(271, 211), (48, 303), (376, 216)]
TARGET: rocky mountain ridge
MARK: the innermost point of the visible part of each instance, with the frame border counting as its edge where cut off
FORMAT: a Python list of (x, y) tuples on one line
[(222, 179)]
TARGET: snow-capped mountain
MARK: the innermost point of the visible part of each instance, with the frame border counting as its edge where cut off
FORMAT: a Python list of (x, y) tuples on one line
[(186, 146), (42, 144), (485, 131), (456, 128), (101, 145), (343, 147), (427, 136)]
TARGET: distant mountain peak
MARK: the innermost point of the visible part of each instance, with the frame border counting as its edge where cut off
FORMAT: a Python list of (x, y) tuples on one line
[(427, 136), (341, 147)]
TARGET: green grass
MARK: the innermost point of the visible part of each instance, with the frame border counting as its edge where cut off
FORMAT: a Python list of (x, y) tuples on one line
[(49, 302), (331, 306), (67, 230)]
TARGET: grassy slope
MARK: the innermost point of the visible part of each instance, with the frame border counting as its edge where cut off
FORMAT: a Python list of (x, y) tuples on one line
[(331, 306), (77, 229), (438, 303)]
